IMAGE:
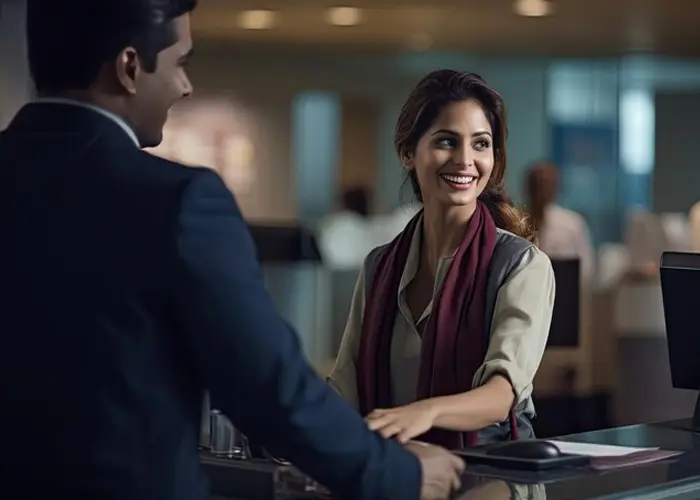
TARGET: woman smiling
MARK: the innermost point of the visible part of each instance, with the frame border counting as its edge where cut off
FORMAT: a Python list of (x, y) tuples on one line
[(449, 321)]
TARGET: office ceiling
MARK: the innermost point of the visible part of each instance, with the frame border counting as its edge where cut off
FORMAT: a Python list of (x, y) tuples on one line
[(576, 28)]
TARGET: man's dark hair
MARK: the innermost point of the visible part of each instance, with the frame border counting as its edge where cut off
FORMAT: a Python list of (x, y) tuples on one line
[(69, 40)]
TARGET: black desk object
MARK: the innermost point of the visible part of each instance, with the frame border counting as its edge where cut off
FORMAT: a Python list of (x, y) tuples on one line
[(257, 479), (680, 286), (285, 244), (237, 479), (479, 455), (566, 317)]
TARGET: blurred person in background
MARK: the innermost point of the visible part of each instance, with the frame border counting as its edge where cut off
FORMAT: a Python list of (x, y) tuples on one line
[(561, 233), (450, 320), (386, 227), (131, 287), (344, 237)]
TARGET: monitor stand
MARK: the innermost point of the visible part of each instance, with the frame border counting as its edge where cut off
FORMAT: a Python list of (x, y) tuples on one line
[(687, 424)]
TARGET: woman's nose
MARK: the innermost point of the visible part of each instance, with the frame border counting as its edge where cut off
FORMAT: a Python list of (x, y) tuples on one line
[(463, 156)]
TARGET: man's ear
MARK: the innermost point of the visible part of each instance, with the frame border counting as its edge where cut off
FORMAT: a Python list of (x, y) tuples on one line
[(128, 69)]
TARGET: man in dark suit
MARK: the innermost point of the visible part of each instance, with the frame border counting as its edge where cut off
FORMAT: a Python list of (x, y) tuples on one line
[(130, 286)]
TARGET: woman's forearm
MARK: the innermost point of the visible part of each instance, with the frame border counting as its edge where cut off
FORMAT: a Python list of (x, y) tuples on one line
[(473, 410)]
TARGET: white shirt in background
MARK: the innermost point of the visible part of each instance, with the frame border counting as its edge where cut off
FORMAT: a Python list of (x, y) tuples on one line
[(564, 235), (344, 240)]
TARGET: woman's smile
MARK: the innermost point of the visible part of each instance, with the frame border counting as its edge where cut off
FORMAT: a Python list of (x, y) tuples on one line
[(459, 181)]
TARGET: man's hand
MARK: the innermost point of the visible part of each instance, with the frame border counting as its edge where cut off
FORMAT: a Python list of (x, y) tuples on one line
[(441, 470)]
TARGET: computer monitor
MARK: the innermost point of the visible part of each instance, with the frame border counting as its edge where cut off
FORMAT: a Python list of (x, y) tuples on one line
[(284, 244), (680, 289), (566, 318)]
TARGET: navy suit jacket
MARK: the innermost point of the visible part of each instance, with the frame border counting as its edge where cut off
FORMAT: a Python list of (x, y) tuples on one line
[(129, 285)]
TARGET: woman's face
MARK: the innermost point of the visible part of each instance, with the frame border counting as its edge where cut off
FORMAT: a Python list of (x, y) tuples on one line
[(455, 157)]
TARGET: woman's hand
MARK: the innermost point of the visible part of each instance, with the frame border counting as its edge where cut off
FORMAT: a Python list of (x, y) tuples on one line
[(404, 422)]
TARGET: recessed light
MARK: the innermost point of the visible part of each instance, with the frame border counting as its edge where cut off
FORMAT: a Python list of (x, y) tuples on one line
[(257, 19), (344, 16), (534, 8)]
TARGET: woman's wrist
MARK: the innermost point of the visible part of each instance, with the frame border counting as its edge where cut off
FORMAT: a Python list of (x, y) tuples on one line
[(436, 409)]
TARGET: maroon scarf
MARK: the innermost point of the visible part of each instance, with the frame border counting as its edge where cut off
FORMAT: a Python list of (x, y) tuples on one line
[(453, 348)]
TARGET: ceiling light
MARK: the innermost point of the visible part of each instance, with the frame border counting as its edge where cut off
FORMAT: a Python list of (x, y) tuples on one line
[(344, 16), (257, 19), (534, 8)]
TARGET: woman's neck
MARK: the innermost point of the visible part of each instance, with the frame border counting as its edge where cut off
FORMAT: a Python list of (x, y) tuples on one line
[(443, 230)]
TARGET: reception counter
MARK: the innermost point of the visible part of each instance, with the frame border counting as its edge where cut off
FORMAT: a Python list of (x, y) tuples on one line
[(677, 478)]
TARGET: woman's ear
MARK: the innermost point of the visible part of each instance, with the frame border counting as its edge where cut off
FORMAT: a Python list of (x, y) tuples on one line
[(407, 162)]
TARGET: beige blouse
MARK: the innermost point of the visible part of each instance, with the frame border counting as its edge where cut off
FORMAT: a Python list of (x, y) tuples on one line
[(519, 330)]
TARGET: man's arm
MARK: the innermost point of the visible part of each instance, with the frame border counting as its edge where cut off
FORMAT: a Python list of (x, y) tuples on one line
[(252, 363)]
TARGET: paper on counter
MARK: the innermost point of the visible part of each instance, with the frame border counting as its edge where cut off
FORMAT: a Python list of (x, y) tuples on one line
[(597, 450)]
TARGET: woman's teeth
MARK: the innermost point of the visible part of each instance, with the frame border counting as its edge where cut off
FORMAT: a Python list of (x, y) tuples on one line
[(458, 179)]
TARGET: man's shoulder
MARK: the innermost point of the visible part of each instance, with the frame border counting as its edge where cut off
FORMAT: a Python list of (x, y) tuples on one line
[(157, 177), (162, 182), (164, 170)]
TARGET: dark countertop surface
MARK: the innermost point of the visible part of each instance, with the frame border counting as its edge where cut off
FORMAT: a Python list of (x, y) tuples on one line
[(677, 478)]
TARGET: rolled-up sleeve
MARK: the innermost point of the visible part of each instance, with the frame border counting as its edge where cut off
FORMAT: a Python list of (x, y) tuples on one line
[(520, 325), (343, 377)]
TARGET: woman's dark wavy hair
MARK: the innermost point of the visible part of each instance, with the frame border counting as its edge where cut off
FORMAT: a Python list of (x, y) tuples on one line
[(439, 89)]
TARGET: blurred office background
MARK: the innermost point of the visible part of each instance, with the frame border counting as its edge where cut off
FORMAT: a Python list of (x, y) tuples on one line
[(296, 104)]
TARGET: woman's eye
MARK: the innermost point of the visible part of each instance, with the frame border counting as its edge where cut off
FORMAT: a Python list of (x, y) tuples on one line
[(481, 145), (445, 143)]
